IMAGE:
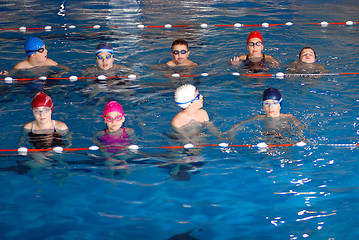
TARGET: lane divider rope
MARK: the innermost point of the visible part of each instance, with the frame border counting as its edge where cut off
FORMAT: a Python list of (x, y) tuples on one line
[(279, 75), (261, 145), (168, 26)]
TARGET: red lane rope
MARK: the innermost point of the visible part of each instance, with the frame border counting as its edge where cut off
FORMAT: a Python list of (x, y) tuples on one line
[(348, 73), (155, 26), (252, 25)]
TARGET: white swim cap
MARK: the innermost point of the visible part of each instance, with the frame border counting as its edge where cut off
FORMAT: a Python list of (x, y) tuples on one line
[(184, 95)]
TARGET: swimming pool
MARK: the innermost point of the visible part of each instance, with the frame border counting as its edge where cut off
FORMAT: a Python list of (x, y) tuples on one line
[(231, 193)]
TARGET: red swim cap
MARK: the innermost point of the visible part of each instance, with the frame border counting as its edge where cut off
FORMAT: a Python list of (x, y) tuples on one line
[(42, 100), (254, 34)]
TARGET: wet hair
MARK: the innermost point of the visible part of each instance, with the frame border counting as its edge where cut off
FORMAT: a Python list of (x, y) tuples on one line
[(179, 42), (300, 54)]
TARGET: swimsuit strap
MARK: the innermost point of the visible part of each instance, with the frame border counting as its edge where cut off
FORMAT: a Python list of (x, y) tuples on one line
[(32, 126), (247, 57), (54, 123)]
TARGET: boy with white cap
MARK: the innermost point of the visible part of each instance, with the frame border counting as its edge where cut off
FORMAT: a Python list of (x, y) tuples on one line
[(188, 98)]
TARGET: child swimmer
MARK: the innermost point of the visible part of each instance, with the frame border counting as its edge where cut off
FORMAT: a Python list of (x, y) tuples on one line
[(36, 52), (188, 98), (255, 61), (180, 54), (44, 132), (276, 127), (192, 121), (114, 135)]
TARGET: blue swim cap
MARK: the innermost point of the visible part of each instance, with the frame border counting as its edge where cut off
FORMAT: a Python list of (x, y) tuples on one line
[(104, 47), (33, 44), (272, 94)]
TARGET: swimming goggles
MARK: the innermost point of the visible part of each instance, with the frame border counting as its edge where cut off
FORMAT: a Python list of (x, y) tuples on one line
[(176, 52), (275, 102), (38, 112), (195, 99), (108, 56), (111, 119), (257, 43), (40, 50)]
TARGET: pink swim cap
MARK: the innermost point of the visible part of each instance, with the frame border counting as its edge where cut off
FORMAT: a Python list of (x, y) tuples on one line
[(41, 99), (112, 106), (254, 34)]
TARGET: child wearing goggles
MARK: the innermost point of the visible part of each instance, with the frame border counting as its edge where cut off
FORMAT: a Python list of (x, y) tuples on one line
[(105, 65), (43, 132), (276, 126), (36, 52), (113, 141), (188, 98), (180, 54), (115, 135), (255, 61)]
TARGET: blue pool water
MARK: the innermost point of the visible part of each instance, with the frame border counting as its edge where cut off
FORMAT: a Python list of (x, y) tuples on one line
[(306, 192)]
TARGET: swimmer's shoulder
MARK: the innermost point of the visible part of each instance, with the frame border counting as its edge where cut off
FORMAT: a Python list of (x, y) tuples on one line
[(23, 65), (180, 119), (171, 63), (242, 57), (290, 118), (270, 59), (203, 115), (286, 115), (50, 62), (129, 131), (192, 64), (120, 67), (61, 126), (28, 125)]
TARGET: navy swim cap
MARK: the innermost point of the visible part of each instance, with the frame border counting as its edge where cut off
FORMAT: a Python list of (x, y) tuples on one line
[(33, 44), (103, 47), (271, 94)]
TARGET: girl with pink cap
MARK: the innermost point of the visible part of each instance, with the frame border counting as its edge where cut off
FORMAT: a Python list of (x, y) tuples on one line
[(114, 135), (255, 61), (44, 132)]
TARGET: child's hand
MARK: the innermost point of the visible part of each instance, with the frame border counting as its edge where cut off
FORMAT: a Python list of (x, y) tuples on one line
[(236, 61), (4, 72)]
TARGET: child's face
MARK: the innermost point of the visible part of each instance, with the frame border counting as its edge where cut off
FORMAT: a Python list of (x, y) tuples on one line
[(307, 56), (180, 54), (253, 48), (40, 55), (114, 121), (104, 60), (272, 108), (42, 114), (198, 103)]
